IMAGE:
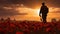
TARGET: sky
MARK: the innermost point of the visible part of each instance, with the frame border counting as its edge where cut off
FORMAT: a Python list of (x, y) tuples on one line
[(28, 9)]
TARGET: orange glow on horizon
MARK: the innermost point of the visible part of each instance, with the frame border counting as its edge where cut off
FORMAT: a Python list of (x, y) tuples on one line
[(33, 14)]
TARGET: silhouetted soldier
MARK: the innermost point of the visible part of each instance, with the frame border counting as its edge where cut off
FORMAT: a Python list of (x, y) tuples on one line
[(44, 10)]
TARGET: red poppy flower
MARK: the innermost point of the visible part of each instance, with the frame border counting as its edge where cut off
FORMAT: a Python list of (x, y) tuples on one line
[(19, 33), (48, 29)]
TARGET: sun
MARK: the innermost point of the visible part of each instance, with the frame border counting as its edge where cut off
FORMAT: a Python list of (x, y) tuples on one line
[(38, 10)]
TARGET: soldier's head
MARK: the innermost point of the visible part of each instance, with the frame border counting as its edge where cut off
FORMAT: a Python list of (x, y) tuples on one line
[(43, 4)]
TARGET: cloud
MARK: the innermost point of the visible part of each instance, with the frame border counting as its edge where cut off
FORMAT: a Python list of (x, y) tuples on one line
[(9, 11), (7, 7), (54, 10), (53, 3), (30, 3)]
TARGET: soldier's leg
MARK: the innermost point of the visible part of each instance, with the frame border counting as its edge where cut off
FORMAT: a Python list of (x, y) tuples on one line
[(44, 18)]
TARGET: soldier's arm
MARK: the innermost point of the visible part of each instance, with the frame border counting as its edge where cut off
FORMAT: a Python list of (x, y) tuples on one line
[(39, 13), (41, 10)]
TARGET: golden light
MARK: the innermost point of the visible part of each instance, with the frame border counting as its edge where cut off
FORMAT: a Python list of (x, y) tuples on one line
[(38, 10), (33, 14), (30, 11)]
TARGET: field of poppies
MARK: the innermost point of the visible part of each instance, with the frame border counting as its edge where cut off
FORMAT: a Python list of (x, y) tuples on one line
[(29, 27)]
